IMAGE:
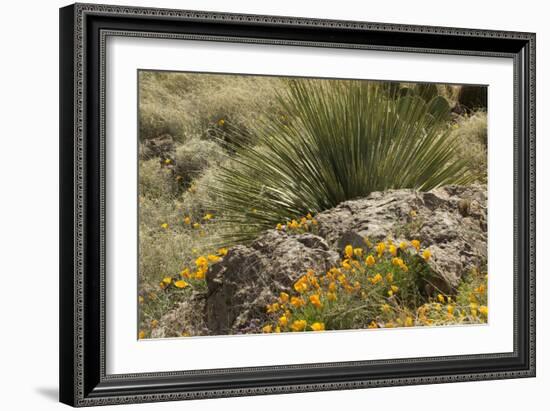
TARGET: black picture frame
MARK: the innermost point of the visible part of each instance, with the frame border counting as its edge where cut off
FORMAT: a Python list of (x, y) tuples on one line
[(83, 30)]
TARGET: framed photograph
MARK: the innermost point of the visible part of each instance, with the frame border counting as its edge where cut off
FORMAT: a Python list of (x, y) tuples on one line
[(261, 204)]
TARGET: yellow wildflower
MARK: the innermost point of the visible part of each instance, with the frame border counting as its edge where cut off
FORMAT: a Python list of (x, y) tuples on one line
[(484, 310), (201, 261), (140, 299), (201, 273), (389, 277), (141, 335), (315, 300), (223, 251), (277, 329), (314, 222), (416, 244), (393, 250), (301, 285), (167, 161), (440, 298), (386, 308), (164, 225), (332, 286), (403, 245), (283, 297), (372, 324), (380, 247), (348, 251), (272, 308), (409, 322), (450, 309), (331, 296), (196, 226), (213, 258), (346, 265), (314, 282), (185, 273), (318, 326), (187, 220), (298, 325), (309, 216), (480, 289), (397, 261), (181, 284), (208, 217), (267, 328), (370, 261), (394, 288), (221, 122), (358, 252), (389, 324), (426, 254), (279, 227), (297, 301), (154, 323), (376, 279), (293, 224), (283, 321), (167, 280)]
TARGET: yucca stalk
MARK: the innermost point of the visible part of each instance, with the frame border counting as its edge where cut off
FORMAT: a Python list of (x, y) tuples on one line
[(340, 140)]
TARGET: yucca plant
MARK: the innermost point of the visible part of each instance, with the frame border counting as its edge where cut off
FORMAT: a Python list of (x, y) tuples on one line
[(338, 140)]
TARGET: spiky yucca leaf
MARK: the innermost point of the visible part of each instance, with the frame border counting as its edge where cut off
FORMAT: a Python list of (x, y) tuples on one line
[(341, 140)]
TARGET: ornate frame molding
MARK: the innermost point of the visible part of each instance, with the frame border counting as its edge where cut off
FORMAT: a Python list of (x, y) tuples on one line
[(83, 378)]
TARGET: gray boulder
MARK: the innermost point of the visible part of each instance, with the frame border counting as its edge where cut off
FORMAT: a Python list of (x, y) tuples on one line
[(451, 221), (250, 277), (161, 146)]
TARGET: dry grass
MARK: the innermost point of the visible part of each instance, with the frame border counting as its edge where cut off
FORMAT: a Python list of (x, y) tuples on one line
[(471, 133), (188, 104)]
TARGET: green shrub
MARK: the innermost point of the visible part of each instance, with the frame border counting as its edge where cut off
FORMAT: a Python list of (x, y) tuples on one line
[(346, 140)]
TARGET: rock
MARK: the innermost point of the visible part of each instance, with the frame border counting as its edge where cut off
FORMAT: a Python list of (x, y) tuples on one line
[(186, 319), (161, 146), (451, 221), (250, 277)]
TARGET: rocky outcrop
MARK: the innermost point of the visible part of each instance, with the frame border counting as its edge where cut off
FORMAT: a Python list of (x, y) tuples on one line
[(161, 146), (185, 319), (249, 277), (451, 221)]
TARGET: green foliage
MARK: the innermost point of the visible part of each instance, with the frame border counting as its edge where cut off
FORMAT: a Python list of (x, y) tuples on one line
[(337, 140)]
